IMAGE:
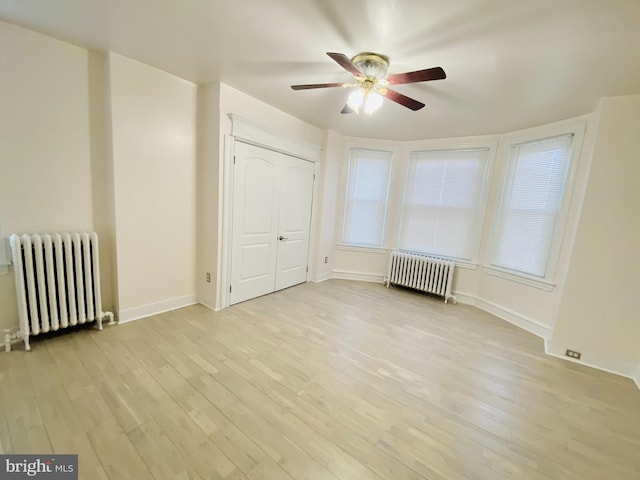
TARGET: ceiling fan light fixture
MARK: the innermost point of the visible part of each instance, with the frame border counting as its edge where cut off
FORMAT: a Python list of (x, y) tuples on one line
[(367, 99), (372, 102), (356, 99)]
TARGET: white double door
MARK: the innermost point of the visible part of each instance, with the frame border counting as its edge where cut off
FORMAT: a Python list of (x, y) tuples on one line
[(272, 197)]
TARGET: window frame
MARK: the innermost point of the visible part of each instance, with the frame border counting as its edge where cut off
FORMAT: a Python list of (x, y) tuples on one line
[(548, 282), (341, 243), (440, 145)]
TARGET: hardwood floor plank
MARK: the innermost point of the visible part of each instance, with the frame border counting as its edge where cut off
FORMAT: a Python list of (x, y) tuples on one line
[(267, 469), (160, 454), (240, 449), (89, 465), (118, 456), (276, 445), (206, 458), (123, 402), (26, 428)]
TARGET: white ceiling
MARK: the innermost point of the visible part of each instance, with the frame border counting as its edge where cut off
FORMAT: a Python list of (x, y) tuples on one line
[(510, 63)]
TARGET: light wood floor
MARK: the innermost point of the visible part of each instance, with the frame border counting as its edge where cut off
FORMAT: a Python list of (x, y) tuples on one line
[(338, 380)]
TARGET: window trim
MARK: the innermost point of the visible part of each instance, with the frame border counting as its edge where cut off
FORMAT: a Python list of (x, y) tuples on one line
[(349, 147), (352, 247), (446, 145), (548, 282)]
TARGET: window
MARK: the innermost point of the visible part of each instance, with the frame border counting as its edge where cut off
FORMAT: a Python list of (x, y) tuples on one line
[(366, 197), (443, 202), (527, 219)]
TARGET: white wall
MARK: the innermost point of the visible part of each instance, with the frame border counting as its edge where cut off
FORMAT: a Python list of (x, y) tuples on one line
[(102, 174), (45, 151), (209, 188), (153, 117), (235, 102), (327, 183), (599, 314)]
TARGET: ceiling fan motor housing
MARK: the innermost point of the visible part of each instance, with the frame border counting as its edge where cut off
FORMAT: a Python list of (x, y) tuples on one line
[(372, 64)]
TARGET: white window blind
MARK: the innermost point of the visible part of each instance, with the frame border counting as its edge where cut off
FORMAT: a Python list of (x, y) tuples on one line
[(366, 197), (531, 203), (443, 202)]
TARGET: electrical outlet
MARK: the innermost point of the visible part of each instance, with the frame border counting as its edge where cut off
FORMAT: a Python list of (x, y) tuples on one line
[(326, 259), (573, 354), (208, 277)]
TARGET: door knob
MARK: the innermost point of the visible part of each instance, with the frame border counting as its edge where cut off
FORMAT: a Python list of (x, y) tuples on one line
[(281, 238)]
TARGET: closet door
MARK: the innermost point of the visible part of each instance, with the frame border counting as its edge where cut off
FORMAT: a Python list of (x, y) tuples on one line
[(256, 195), (296, 194), (272, 196)]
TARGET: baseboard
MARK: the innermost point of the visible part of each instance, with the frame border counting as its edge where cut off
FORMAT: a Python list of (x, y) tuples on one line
[(136, 313), (623, 369), (321, 277), (358, 276), (607, 365), (510, 316), (205, 304)]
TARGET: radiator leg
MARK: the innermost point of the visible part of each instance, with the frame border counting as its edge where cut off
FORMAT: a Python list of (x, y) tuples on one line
[(111, 318), (27, 346)]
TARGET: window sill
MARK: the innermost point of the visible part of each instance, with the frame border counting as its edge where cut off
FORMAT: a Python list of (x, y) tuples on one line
[(466, 265), (347, 247), (520, 278), (361, 248)]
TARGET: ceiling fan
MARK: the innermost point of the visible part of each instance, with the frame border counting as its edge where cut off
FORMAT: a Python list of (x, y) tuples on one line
[(370, 72)]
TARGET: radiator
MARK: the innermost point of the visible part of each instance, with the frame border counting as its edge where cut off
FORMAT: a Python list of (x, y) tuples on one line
[(422, 272), (57, 282)]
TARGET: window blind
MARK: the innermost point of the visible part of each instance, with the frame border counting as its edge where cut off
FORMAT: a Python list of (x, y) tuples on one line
[(366, 197), (531, 202), (442, 202)]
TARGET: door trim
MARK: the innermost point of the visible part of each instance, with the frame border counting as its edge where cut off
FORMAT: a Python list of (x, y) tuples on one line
[(260, 136), (224, 236)]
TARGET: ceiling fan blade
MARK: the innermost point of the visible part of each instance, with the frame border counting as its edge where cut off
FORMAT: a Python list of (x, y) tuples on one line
[(317, 85), (435, 73), (346, 63), (404, 100), (347, 109)]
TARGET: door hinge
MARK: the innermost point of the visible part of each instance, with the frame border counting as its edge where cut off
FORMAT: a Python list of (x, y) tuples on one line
[(314, 176), (307, 269), (234, 159), (230, 288)]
